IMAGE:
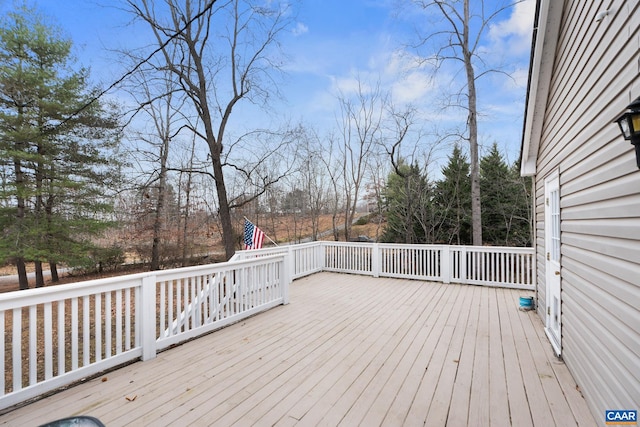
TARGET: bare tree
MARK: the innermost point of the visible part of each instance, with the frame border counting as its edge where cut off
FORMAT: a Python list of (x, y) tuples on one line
[(314, 178), (360, 128), (461, 42), (155, 92), (187, 187), (374, 195), (333, 166), (219, 69)]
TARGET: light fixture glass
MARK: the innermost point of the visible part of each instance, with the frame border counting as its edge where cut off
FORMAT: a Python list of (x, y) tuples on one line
[(629, 123), (624, 126)]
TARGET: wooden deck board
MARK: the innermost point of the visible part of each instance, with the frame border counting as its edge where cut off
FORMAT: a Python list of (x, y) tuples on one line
[(381, 371), (431, 353), (348, 350), (431, 404), (516, 394), (569, 388), (460, 397), (538, 406), (478, 396), (280, 399), (369, 375), (559, 407), (320, 399), (419, 343), (309, 353), (498, 405)]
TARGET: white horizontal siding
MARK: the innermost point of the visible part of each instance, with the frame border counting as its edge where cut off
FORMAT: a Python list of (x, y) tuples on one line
[(620, 207), (595, 76), (618, 228)]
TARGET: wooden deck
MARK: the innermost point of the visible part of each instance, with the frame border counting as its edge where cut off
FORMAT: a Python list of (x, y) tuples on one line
[(348, 350)]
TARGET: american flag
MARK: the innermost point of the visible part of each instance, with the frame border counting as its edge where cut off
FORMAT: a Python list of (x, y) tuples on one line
[(253, 236)]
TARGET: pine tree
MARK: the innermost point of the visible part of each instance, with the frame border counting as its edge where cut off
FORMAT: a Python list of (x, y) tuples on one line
[(521, 234), (57, 149), (406, 198), (505, 202), (495, 185), (453, 201)]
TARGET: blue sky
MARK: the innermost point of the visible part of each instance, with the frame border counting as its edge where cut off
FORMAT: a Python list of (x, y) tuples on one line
[(370, 39), (333, 42)]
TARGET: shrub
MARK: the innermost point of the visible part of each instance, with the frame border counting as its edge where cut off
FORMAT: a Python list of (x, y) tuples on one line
[(363, 220)]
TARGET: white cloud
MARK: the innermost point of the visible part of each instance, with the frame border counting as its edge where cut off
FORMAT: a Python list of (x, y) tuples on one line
[(354, 83), (519, 79), (300, 29), (406, 76), (519, 23), (400, 62), (516, 31), (411, 88), (410, 78)]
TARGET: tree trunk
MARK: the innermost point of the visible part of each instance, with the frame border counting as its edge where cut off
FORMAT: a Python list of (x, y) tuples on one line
[(225, 213), (185, 228), (39, 275), (476, 209), (347, 212), (53, 268), (20, 215), (23, 280), (157, 222), (155, 250)]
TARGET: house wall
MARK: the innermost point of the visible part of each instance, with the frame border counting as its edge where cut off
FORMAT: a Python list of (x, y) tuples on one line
[(595, 76)]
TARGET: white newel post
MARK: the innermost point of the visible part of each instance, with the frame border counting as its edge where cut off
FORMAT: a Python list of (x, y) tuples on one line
[(290, 263), (463, 265), (321, 257), (446, 261), (286, 276), (375, 260), (148, 317)]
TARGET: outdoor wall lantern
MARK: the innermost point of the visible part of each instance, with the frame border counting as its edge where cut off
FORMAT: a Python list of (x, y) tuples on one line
[(629, 123)]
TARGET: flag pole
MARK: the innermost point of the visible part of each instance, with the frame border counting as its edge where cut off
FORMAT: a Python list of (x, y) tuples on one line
[(265, 234)]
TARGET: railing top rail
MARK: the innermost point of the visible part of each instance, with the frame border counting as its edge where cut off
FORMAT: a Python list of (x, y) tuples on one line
[(506, 249), (14, 299), (269, 250), (405, 245), (278, 249), (334, 243), (70, 290), (303, 245), (214, 268)]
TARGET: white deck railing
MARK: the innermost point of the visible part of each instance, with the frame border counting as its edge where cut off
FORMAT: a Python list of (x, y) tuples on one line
[(56, 335), (478, 265)]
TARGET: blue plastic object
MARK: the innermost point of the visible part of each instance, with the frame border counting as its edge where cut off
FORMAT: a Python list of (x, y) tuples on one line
[(526, 303)]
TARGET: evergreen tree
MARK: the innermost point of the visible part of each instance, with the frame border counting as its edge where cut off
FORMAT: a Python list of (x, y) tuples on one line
[(58, 150), (521, 234), (505, 202), (453, 201), (495, 186), (406, 198)]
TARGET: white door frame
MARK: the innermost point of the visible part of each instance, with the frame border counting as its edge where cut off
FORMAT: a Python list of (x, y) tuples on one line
[(553, 278)]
